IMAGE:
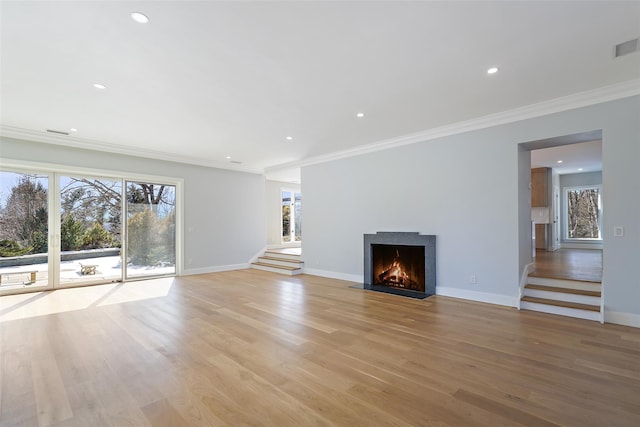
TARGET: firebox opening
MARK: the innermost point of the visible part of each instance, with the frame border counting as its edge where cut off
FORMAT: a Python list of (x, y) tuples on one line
[(398, 266)]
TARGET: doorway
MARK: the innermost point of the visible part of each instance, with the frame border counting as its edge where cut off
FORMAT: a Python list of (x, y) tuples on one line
[(291, 219), (571, 161)]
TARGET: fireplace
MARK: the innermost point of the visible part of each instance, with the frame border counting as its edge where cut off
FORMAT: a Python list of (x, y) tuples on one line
[(400, 263)]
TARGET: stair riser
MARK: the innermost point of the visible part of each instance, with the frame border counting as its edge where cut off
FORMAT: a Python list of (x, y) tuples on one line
[(562, 311), (295, 264), (277, 270), (283, 256), (561, 296), (571, 284)]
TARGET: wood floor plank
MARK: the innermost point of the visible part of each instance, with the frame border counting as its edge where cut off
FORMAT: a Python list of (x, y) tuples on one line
[(253, 348), (572, 264)]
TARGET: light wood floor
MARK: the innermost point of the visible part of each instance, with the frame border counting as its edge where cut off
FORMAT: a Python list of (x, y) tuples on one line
[(573, 264), (254, 348)]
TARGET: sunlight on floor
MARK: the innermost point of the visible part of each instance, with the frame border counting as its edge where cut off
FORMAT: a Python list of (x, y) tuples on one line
[(13, 307)]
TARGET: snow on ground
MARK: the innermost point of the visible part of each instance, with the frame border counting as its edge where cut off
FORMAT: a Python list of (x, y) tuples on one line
[(107, 268)]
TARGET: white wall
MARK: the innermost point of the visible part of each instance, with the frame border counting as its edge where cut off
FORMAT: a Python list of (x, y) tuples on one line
[(224, 211), (274, 210), (468, 190)]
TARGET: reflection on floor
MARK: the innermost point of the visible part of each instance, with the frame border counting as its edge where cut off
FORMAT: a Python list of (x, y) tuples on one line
[(572, 264)]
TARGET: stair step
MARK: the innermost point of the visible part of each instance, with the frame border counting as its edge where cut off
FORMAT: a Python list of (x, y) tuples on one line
[(283, 267), (280, 261), (564, 290), (587, 307), (290, 271), (565, 283), (561, 311), (281, 255)]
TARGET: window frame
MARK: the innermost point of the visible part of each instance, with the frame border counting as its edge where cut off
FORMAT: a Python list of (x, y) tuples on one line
[(565, 213), (55, 170)]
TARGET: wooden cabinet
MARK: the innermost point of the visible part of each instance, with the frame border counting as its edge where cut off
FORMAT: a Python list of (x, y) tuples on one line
[(541, 236), (539, 187)]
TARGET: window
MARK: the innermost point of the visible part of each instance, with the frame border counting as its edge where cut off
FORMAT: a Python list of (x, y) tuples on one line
[(62, 228), (583, 213), (291, 216)]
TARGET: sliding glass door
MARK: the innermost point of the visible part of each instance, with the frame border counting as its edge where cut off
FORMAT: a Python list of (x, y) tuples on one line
[(151, 229), (59, 230), (90, 229), (24, 230)]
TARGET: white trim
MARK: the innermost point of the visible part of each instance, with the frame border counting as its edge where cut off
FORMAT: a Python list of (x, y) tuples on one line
[(334, 275), (523, 281), (561, 311), (90, 144), (621, 318), (257, 255), (477, 296), (297, 244), (582, 245), (577, 100), (602, 298), (91, 172), (60, 169), (566, 240), (214, 269)]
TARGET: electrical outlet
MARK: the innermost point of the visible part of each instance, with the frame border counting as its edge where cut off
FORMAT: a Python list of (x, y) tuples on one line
[(618, 231), (473, 279)]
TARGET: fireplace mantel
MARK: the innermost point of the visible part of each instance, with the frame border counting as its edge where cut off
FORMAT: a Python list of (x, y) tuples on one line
[(401, 239)]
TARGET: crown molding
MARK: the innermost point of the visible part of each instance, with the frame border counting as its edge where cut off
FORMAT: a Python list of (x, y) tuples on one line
[(89, 144), (578, 100), (570, 102)]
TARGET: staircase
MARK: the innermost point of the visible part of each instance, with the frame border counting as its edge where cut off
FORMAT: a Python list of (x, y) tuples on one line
[(573, 298), (280, 261)]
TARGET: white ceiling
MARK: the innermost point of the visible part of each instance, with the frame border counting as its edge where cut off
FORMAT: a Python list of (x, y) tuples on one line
[(574, 158), (205, 80)]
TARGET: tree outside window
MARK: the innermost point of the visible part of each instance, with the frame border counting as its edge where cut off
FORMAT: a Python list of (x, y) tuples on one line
[(583, 213)]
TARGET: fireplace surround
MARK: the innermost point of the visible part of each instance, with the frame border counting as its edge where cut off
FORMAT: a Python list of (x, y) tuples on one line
[(401, 263)]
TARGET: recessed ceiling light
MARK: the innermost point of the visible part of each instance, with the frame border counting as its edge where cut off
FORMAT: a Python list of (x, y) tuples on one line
[(228, 157), (360, 115), (139, 17), (580, 169), (73, 130), (288, 138), (99, 86), (559, 161), (492, 70)]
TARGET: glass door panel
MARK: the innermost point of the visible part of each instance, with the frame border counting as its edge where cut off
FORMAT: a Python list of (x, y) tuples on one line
[(90, 230), (286, 216), (151, 229), (24, 231), (297, 217)]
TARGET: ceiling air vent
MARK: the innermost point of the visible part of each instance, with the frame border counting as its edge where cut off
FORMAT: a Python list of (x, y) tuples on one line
[(235, 162), (59, 132), (626, 48)]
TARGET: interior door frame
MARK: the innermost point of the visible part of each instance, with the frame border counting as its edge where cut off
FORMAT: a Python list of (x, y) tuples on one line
[(292, 220)]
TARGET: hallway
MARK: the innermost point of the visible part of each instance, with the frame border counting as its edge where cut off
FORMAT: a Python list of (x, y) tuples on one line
[(573, 264)]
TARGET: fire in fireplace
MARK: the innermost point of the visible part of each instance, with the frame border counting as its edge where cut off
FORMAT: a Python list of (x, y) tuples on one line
[(402, 263), (398, 266)]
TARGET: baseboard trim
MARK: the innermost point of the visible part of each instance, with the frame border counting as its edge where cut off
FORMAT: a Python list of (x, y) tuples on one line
[(334, 275), (214, 269), (622, 318), (594, 246), (497, 299)]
